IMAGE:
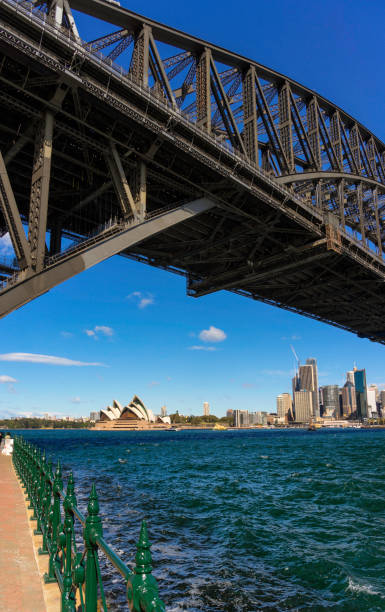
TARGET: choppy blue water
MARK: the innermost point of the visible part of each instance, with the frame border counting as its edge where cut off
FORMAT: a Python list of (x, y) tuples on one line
[(241, 521)]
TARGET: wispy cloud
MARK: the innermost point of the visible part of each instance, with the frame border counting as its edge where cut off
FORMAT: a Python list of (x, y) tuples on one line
[(287, 373), (76, 400), (66, 334), (6, 247), (46, 359), (99, 330), (293, 337), (212, 334), (199, 347), (142, 299), (153, 383), (7, 379), (248, 385)]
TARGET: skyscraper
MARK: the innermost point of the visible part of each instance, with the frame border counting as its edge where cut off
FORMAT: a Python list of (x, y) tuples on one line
[(303, 401), (313, 363), (163, 411), (284, 407), (382, 399), (331, 401), (206, 409), (349, 403), (361, 394), (372, 401)]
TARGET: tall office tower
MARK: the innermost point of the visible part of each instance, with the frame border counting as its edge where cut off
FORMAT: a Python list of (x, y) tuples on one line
[(230, 413), (372, 402), (382, 400), (331, 401), (316, 409), (284, 407), (163, 411), (295, 385), (361, 394), (206, 409), (375, 389), (303, 401), (308, 381), (349, 403)]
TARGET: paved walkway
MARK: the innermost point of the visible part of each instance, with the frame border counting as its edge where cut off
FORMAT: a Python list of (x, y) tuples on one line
[(20, 584)]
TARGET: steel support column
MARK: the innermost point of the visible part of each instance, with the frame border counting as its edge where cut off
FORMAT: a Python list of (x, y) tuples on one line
[(13, 222), (203, 91), (40, 191)]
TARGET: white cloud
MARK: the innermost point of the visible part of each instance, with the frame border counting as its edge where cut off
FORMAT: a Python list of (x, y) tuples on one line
[(104, 329), (6, 247), (7, 379), (66, 334), (153, 383), (212, 334), (47, 359), (75, 400), (199, 347), (286, 373), (293, 337), (142, 299), (99, 330)]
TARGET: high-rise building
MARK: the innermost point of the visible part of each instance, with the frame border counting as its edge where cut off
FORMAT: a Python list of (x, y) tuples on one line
[(163, 411), (316, 408), (361, 393), (372, 401), (349, 403), (331, 401), (206, 409), (241, 418), (284, 407), (229, 413), (94, 416), (382, 402), (303, 402)]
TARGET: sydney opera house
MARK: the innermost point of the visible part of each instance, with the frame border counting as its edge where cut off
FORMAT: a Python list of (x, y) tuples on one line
[(133, 416)]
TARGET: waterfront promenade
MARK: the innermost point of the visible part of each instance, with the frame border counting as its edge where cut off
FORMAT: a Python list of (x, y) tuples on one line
[(21, 588)]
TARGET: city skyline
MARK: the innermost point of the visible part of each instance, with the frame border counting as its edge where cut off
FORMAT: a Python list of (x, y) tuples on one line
[(135, 327)]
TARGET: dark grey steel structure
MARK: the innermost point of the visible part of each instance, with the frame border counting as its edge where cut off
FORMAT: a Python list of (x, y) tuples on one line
[(165, 148)]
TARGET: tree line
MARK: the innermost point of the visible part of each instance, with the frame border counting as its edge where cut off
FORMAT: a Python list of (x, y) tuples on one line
[(32, 423)]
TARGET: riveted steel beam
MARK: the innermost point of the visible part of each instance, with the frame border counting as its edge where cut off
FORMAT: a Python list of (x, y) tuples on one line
[(60, 268), (41, 173), (13, 222)]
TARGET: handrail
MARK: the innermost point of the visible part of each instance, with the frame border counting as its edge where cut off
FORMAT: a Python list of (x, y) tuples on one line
[(79, 573)]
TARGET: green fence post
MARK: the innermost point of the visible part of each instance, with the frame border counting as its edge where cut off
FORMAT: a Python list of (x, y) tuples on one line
[(56, 518), (45, 502), (92, 530), (142, 588), (39, 495), (68, 598)]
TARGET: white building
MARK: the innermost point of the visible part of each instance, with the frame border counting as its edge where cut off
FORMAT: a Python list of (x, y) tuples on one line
[(372, 401), (206, 409)]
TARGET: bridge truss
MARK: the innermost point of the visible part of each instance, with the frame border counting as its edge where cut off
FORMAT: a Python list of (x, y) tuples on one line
[(165, 148)]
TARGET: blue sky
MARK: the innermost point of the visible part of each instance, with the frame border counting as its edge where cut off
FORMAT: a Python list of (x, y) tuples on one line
[(136, 322)]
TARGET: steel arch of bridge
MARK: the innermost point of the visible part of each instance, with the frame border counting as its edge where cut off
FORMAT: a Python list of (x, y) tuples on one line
[(294, 187)]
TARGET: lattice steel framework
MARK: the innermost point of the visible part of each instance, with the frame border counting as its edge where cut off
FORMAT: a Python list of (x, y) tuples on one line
[(107, 142)]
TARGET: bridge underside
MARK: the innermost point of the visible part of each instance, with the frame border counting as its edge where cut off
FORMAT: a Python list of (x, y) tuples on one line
[(87, 156)]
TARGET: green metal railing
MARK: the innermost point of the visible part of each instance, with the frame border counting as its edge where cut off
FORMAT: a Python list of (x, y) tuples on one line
[(78, 573)]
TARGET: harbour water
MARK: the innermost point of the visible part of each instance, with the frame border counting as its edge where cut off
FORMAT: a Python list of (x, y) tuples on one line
[(240, 520)]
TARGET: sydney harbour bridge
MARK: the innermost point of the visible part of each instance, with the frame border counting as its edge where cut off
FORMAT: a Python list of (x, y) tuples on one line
[(158, 146)]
